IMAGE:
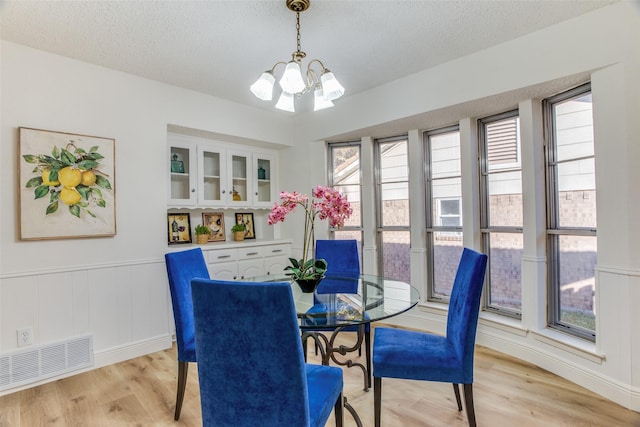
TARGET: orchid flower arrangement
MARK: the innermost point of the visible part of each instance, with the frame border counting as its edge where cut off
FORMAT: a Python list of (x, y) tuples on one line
[(326, 203)]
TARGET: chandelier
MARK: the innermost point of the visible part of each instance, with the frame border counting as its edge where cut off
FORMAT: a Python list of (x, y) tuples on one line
[(326, 87)]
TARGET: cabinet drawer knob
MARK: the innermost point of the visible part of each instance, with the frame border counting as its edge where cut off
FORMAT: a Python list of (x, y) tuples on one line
[(252, 253), (275, 251), (224, 256)]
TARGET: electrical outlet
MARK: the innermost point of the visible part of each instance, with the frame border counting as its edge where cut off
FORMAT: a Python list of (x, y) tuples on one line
[(25, 336)]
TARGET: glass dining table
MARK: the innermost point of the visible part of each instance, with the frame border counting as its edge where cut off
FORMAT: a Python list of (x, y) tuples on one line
[(350, 304)]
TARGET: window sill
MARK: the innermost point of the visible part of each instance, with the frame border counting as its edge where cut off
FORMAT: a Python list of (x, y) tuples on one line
[(503, 323), (570, 344)]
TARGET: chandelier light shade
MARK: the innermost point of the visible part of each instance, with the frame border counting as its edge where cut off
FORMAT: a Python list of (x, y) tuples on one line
[(285, 102), (320, 102), (263, 87), (326, 87)]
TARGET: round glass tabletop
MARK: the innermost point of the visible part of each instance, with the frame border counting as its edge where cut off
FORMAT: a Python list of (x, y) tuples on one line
[(342, 301)]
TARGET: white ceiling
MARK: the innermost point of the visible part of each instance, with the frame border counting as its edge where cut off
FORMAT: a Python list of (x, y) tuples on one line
[(221, 47)]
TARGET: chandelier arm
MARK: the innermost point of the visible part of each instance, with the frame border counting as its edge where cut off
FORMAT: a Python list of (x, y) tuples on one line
[(276, 64), (319, 62), (312, 78)]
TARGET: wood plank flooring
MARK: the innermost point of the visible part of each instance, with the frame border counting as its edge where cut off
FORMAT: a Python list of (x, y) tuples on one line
[(141, 392)]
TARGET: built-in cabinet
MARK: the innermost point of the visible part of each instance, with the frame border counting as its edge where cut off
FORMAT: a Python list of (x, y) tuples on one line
[(247, 260), (205, 173)]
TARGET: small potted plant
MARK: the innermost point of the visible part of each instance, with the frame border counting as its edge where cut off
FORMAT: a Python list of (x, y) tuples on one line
[(238, 232), (202, 234)]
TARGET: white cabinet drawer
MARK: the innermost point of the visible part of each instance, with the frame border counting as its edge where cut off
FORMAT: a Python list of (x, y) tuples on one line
[(276, 250), (250, 253), (222, 255)]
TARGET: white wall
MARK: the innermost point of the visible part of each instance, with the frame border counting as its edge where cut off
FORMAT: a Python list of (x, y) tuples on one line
[(115, 288), (601, 47)]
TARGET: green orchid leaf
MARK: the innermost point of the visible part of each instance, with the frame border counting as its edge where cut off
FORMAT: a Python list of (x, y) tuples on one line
[(54, 195), (96, 192), (53, 207), (103, 182), (89, 212), (41, 191), (75, 210), (80, 151), (294, 262), (34, 182), (320, 264), (83, 204), (101, 203), (94, 149), (55, 152)]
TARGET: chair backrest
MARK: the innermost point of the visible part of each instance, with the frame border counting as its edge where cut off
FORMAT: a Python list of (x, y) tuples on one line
[(250, 364), (342, 261), (464, 307), (181, 268)]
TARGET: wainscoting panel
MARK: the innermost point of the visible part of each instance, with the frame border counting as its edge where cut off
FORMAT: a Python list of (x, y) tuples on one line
[(122, 307)]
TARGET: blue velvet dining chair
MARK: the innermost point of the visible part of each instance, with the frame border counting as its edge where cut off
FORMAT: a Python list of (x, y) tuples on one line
[(181, 268), (404, 354), (250, 364), (342, 261)]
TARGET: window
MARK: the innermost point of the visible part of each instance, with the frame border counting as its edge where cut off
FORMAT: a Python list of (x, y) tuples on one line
[(571, 212), (444, 210), (345, 176), (501, 211), (392, 219)]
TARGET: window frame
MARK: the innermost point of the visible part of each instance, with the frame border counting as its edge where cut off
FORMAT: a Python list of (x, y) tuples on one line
[(431, 227), (485, 228), (331, 182), (554, 230), (380, 227)]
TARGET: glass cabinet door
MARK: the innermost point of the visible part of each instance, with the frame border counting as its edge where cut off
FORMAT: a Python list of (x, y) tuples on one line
[(240, 179), (181, 176), (211, 182), (263, 188)]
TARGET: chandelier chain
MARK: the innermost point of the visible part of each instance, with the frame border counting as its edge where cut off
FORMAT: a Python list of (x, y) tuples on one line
[(298, 30)]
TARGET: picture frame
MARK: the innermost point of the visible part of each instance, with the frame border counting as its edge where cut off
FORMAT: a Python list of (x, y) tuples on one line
[(247, 220), (66, 185), (215, 222), (179, 228)]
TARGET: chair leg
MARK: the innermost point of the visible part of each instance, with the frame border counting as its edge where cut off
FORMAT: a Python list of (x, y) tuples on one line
[(367, 352), (377, 400), (456, 390), (468, 403), (304, 349), (338, 411), (183, 369)]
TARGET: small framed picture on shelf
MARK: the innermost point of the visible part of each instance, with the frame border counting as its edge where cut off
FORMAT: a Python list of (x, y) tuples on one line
[(215, 222), (247, 220), (179, 227)]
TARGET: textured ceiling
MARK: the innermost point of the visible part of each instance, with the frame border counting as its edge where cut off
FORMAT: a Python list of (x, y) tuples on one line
[(221, 47)]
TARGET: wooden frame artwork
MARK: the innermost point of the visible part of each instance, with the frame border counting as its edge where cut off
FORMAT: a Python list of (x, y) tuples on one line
[(247, 220), (66, 185), (215, 222), (179, 227)]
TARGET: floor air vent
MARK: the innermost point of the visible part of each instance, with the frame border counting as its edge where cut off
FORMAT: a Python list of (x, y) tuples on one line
[(38, 363)]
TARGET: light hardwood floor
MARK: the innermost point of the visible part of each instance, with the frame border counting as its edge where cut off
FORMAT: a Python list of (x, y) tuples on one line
[(141, 392)]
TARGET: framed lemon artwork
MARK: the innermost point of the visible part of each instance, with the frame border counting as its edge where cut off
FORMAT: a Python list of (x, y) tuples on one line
[(67, 185)]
